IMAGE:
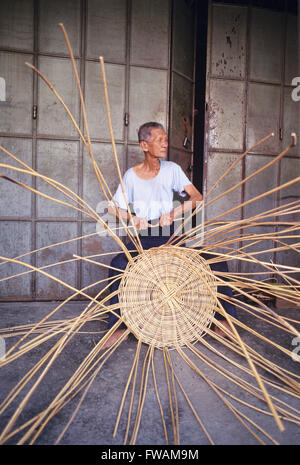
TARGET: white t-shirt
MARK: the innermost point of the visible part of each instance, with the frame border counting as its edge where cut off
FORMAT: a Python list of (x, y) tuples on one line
[(151, 198)]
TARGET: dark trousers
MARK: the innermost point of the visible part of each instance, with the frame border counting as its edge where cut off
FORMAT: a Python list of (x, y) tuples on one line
[(120, 261)]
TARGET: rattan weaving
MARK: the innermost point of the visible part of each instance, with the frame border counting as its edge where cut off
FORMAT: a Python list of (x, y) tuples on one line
[(167, 296)]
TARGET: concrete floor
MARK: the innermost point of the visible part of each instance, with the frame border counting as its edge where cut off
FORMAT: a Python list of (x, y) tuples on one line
[(95, 420)]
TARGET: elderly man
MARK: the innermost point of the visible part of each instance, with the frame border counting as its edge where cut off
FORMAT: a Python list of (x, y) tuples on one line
[(150, 188)]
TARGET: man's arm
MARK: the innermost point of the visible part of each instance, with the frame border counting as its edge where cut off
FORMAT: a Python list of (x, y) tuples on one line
[(194, 197)]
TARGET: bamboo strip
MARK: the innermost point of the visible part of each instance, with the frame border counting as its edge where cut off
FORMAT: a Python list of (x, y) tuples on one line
[(138, 242), (229, 375), (158, 400), (174, 395), (213, 387), (170, 398), (143, 390), (133, 392), (126, 390), (193, 409), (37, 424)]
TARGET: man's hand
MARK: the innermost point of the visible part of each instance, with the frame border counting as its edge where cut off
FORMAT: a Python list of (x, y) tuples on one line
[(166, 219), (140, 223)]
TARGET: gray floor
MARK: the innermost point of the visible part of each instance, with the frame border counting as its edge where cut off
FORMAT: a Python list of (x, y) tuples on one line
[(96, 418)]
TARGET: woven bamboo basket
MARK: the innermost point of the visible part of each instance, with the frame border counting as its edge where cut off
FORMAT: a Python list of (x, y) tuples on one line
[(168, 296)]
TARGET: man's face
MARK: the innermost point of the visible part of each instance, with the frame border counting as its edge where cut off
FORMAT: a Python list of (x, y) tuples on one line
[(157, 145)]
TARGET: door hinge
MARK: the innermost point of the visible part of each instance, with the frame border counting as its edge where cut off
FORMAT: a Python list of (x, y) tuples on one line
[(186, 142), (33, 287), (34, 111), (126, 119)]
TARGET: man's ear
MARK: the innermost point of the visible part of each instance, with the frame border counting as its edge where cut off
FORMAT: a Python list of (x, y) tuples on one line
[(144, 146)]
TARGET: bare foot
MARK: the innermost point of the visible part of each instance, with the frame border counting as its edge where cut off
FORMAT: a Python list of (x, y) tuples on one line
[(222, 333), (114, 338)]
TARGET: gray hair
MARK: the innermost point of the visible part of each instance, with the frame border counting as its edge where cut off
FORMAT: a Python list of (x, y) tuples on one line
[(144, 132)]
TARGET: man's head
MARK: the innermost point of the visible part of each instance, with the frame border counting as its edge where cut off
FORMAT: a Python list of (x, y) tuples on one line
[(153, 139)]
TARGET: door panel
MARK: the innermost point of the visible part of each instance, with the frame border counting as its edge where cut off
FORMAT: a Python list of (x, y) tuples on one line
[(95, 103), (182, 158), (57, 160), (226, 114), (19, 204), (263, 115), (92, 246), (292, 53), (261, 183), (182, 86), (51, 39), (50, 233), (228, 57), (261, 252), (52, 117), (106, 29), (291, 120), (15, 241), (150, 36), (135, 155), (16, 24), (92, 192), (182, 112), (183, 38), (147, 98), (264, 43), (289, 169), (218, 163), (16, 109)]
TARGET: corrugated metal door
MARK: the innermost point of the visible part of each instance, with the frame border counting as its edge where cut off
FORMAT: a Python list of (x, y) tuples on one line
[(17, 83), (134, 37), (252, 58)]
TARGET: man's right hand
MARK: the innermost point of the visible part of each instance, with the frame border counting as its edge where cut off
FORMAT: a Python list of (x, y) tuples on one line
[(141, 223)]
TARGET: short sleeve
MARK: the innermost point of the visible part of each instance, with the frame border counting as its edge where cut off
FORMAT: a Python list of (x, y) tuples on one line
[(180, 179), (119, 197)]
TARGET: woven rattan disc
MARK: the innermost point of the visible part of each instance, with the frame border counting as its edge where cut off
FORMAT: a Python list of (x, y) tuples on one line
[(167, 296)]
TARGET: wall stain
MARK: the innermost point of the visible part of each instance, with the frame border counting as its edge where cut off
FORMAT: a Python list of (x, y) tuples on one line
[(228, 41)]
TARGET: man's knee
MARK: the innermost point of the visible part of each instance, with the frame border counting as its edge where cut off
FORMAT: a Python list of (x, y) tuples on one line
[(119, 261), (219, 266)]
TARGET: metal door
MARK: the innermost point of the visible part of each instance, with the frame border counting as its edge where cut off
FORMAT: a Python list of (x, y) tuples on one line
[(134, 37), (252, 59), (182, 86)]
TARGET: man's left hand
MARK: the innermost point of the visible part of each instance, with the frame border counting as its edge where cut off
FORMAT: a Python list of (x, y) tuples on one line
[(166, 219)]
